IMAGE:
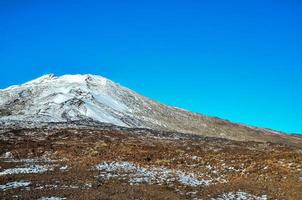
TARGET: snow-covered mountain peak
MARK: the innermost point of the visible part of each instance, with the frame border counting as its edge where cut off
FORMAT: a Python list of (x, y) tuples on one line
[(64, 98), (53, 98), (41, 79), (78, 79)]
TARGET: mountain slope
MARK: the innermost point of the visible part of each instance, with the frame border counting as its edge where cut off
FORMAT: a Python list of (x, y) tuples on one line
[(80, 97)]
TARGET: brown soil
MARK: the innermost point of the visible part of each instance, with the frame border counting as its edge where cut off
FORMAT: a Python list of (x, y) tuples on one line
[(268, 169)]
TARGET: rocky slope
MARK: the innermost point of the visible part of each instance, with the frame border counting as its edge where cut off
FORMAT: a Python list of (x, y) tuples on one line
[(110, 162), (89, 97)]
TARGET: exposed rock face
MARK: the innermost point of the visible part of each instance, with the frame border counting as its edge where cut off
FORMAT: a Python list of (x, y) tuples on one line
[(89, 97)]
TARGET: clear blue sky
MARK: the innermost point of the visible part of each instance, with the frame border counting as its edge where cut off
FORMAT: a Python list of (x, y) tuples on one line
[(238, 60)]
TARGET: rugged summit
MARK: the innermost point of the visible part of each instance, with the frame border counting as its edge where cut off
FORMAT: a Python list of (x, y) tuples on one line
[(89, 97)]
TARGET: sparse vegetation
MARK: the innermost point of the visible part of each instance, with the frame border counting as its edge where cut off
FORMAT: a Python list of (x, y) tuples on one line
[(226, 166)]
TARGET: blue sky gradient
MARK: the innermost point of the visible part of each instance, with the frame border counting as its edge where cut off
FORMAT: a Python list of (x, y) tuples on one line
[(238, 60)]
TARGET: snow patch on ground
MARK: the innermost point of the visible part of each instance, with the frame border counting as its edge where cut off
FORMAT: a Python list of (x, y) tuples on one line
[(7, 155), (28, 160), (14, 185), (58, 186), (152, 175), (31, 169), (64, 168), (239, 196), (52, 198)]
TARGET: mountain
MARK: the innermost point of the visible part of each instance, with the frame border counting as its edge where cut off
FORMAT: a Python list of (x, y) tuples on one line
[(86, 137), (89, 97)]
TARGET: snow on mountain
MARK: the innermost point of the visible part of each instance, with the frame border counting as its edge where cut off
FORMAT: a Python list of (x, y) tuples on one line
[(67, 98), (77, 97), (53, 98)]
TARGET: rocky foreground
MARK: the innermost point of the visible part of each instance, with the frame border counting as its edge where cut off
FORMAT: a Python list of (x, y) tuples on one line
[(59, 161)]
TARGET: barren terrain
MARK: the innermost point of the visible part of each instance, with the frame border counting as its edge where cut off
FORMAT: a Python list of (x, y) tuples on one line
[(109, 162)]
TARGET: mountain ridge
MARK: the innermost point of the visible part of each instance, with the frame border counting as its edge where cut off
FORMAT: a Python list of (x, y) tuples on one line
[(51, 98)]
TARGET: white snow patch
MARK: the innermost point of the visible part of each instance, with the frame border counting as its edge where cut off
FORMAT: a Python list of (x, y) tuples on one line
[(64, 168), (40, 80), (101, 115), (32, 169), (56, 186), (152, 175), (195, 158), (52, 198), (14, 185), (60, 98), (110, 102), (7, 155), (190, 180), (28, 160), (73, 78), (239, 196)]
